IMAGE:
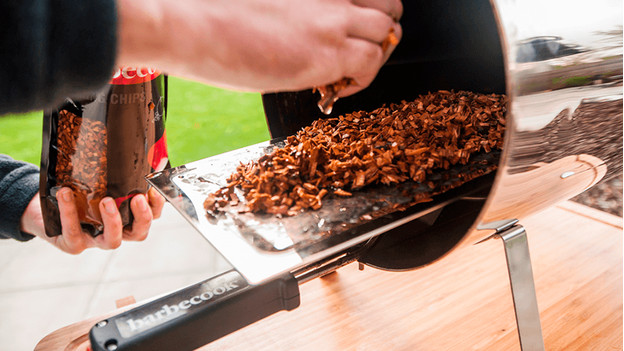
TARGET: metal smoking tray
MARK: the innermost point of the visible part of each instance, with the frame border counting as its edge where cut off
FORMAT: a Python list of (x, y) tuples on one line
[(263, 246)]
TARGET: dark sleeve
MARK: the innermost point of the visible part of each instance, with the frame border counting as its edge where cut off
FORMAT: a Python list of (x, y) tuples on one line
[(53, 49), (19, 182)]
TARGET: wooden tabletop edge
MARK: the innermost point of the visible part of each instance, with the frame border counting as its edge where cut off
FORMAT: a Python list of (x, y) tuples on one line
[(592, 213)]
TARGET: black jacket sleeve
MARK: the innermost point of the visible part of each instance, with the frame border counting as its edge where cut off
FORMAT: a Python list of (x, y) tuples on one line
[(19, 183), (52, 49)]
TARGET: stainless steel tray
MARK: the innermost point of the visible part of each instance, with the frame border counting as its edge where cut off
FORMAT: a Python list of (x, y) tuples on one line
[(261, 246)]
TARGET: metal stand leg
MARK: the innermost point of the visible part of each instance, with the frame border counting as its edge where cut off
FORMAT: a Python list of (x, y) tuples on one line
[(522, 287)]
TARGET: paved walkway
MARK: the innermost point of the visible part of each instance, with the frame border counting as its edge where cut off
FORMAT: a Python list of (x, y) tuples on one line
[(43, 289)]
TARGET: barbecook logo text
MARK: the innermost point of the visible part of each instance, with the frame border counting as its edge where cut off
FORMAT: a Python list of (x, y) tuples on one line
[(168, 312)]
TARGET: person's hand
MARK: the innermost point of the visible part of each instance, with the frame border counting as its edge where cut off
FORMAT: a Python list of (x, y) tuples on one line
[(145, 208), (260, 45)]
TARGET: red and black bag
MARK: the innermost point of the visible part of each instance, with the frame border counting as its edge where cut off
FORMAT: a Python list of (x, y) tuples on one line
[(104, 146)]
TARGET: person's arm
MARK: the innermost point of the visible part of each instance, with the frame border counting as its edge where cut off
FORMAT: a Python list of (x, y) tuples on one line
[(19, 183), (52, 49), (260, 45)]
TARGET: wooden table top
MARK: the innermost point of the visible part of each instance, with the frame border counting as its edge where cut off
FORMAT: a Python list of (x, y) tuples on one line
[(461, 302)]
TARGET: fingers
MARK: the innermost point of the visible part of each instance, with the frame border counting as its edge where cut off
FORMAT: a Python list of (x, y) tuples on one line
[(156, 202), (370, 24), (373, 23), (112, 236), (394, 8), (73, 239), (145, 208), (142, 219), (362, 67), (367, 61)]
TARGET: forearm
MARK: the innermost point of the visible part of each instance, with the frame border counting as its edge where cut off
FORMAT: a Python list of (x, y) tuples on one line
[(259, 45), (140, 33), (186, 41)]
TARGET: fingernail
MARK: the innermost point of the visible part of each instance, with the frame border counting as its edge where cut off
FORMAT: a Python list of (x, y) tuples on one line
[(143, 206), (66, 194), (109, 205)]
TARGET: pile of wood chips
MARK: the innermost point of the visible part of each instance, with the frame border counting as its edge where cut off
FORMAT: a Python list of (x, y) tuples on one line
[(390, 145)]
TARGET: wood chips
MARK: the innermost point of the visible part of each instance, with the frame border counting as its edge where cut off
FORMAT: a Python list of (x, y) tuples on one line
[(390, 145), (81, 163)]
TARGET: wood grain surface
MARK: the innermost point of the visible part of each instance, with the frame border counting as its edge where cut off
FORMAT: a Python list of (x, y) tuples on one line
[(462, 302)]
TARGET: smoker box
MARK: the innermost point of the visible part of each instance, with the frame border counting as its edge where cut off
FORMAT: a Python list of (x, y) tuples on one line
[(563, 136)]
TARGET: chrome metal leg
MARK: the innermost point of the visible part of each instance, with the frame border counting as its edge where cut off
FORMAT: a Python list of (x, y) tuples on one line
[(522, 287)]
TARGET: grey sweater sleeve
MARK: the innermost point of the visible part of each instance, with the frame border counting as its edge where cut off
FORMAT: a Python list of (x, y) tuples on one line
[(19, 183), (52, 49)]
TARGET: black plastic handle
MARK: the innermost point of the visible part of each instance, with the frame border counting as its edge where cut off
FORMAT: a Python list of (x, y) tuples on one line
[(196, 315)]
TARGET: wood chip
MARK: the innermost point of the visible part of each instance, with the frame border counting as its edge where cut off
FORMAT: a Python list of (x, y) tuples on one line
[(390, 145)]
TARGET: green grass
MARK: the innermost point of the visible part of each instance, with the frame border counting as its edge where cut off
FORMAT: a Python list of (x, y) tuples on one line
[(201, 121), (20, 136)]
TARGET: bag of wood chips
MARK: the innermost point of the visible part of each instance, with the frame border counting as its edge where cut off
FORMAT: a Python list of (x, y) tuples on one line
[(104, 146)]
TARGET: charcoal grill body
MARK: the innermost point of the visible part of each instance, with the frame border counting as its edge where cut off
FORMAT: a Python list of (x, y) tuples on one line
[(564, 120), (563, 79)]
